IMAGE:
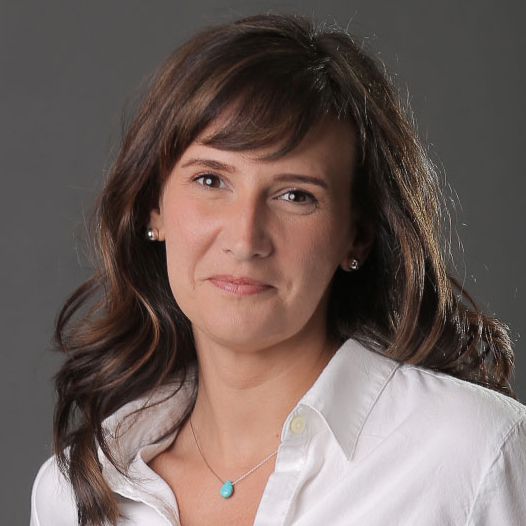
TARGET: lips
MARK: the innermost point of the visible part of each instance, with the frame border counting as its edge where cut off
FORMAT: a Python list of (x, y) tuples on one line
[(239, 285)]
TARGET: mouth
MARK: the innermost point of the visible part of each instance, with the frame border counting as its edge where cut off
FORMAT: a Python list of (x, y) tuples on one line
[(240, 286)]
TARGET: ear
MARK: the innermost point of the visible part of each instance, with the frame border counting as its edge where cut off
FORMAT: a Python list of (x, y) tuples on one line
[(157, 222), (359, 248)]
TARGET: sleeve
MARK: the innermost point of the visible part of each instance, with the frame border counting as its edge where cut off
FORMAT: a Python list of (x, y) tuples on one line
[(52, 499), (501, 498)]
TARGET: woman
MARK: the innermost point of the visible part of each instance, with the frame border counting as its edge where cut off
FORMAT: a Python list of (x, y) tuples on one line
[(277, 339)]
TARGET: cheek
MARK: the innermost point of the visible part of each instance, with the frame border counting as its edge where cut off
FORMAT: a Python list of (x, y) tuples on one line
[(186, 242), (315, 255), (325, 243)]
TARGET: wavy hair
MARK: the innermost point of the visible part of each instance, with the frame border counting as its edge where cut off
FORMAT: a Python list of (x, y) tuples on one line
[(275, 76)]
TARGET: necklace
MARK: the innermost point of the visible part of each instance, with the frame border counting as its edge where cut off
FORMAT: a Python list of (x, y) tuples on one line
[(227, 487)]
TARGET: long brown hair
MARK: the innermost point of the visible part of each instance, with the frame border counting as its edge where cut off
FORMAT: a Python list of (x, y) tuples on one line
[(276, 76)]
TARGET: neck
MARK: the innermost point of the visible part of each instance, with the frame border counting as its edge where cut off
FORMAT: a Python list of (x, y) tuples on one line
[(244, 398)]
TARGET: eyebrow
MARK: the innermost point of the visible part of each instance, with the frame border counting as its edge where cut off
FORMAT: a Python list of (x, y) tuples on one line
[(217, 165), (297, 178), (209, 163)]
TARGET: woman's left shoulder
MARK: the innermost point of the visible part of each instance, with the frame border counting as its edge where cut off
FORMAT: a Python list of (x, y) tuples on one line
[(467, 442), (460, 407)]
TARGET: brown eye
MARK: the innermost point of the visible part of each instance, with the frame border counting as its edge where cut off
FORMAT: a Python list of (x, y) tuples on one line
[(298, 196), (210, 181)]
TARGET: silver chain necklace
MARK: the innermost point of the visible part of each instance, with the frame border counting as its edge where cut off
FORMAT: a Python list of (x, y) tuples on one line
[(227, 487)]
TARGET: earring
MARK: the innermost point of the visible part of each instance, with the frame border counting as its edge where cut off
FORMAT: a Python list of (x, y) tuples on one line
[(354, 264), (152, 234)]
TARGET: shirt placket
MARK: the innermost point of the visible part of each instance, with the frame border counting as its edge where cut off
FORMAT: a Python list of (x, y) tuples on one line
[(283, 482)]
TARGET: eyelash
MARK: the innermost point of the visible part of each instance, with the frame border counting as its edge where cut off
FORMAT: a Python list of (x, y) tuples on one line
[(207, 176), (293, 191)]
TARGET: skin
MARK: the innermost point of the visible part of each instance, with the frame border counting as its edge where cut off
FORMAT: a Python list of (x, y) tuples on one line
[(287, 223)]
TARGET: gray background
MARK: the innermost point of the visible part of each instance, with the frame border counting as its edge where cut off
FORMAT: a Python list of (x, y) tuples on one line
[(68, 67)]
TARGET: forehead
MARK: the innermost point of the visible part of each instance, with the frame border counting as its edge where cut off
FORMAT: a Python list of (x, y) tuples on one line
[(329, 146)]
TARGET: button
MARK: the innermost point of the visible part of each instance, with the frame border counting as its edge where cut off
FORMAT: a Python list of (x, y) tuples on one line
[(297, 425)]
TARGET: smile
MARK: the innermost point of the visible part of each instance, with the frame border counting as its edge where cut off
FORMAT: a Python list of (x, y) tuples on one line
[(239, 286)]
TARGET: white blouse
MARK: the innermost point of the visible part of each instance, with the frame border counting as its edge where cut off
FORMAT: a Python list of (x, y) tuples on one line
[(371, 443)]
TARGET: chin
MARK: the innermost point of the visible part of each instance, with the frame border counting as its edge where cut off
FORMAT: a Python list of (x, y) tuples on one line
[(245, 337)]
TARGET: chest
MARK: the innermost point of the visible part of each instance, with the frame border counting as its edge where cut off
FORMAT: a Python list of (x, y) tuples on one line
[(196, 490), (311, 482)]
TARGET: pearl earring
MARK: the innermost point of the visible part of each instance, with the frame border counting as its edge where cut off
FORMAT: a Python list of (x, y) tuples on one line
[(354, 265), (152, 234)]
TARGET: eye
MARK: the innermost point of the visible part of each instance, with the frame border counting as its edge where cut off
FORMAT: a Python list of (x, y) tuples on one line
[(298, 196), (209, 181)]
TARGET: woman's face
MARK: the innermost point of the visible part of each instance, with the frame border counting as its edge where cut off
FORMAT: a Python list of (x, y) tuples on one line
[(252, 245)]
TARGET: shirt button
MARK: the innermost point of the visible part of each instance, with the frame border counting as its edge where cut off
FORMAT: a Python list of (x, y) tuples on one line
[(297, 425)]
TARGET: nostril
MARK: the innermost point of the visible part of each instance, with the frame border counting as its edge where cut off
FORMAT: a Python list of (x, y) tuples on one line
[(248, 244), (246, 233)]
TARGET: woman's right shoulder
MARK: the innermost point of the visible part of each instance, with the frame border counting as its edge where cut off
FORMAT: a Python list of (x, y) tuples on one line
[(52, 498)]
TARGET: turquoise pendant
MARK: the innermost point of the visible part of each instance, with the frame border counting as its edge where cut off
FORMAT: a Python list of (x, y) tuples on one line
[(226, 489)]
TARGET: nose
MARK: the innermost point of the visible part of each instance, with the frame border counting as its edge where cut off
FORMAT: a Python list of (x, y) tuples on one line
[(246, 232)]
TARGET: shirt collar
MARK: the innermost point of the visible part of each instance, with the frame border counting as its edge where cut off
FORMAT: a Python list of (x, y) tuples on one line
[(347, 390), (344, 395), (147, 420)]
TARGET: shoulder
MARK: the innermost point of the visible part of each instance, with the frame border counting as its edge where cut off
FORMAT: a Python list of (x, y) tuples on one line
[(52, 499), (462, 443), (454, 416), (473, 438), (459, 400), (421, 410)]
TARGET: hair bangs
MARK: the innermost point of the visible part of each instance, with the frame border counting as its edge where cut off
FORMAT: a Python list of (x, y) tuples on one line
[(270, 99), (267, 114)]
